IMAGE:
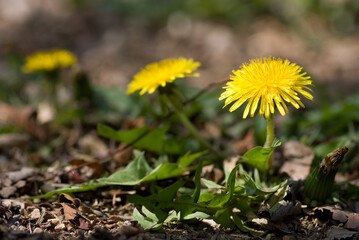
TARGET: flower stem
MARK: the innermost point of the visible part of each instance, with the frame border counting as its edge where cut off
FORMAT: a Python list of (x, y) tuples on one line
[(191, 128), (270, 132), (269, 141)]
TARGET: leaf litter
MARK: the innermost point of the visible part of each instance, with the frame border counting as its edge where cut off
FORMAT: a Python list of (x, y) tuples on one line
[(98, 208), (69, 217)]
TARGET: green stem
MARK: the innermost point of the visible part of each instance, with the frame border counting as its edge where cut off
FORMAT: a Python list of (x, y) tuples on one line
[(269, 140), (188, 124), (270, 132)]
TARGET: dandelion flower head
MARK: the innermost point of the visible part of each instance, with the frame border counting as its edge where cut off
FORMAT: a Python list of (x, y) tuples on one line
[(269, 83), (46, 61), (160, 73)]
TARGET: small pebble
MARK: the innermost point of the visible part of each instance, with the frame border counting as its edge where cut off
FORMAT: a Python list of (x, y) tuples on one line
[(37, 230)]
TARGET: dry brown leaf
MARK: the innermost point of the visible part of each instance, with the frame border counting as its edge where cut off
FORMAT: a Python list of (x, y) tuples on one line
[(353, 222), (212, 173), (35, 214), (340, 233), (69, 212), (83, 223), (65, 198), (230, 163), (299, 158), (25, 172), (25, 118), (92, 145), (246, 143), (123, 157), (350, 219), (8, 191)]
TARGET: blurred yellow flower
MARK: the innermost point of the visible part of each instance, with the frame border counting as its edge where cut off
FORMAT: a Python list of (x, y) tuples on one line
[(158, 74), (46, 61), (272, 81)]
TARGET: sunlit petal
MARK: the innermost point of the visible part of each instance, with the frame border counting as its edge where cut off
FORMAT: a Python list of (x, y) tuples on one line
[(158, 74), (271, 81)]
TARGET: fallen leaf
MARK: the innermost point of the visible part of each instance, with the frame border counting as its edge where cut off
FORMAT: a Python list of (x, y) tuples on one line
[(211, 173), (65, 198), (24, 117), (93, 145), (20, 184), (299, 158), (123, 156), (25, 172), (246, 143), (69, 212), (340, 233), (83, 223), (353, 222), (8, 191), (35, 214), (230, 163), (284, 209), (340, 216)]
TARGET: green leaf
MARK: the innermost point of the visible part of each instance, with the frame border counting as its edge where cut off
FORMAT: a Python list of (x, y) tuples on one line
[(219, 200), (231, 181), (158, 203), (223, 217), (239, 223), (243, 226), (253, 188), (132, 174), (138, 171), (187, 159), (211, 184), (168, 193), (185, 206), (197, 182), (147, 138), (195, 215), (206, 197), (70, 189), (172, 217), (148, 222), (167, 170), (258, 157)]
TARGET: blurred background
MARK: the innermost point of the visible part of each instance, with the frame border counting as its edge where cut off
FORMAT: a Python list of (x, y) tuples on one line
[(114, 39)]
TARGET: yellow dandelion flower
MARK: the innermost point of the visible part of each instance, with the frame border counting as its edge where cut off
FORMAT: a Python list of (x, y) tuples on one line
[(272, 81), (161, 73), (46, 61)]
